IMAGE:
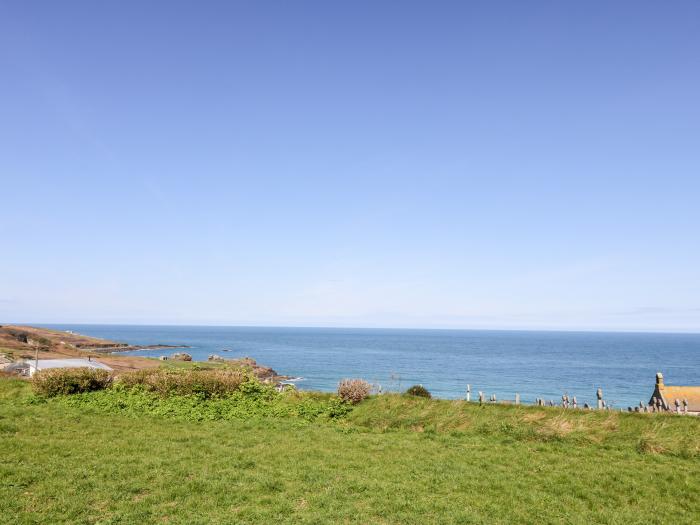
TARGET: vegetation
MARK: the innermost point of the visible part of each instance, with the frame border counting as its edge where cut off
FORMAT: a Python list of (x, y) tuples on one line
[(65, 381), (205, 382), (418, 391), (127, 455), (253, 400), (644, 433), (354, 390), (189, 395)]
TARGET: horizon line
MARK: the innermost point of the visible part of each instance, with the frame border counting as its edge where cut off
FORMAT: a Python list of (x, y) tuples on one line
[(307, 327)]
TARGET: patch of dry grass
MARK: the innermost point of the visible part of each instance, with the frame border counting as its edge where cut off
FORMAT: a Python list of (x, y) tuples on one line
[(675, 435)]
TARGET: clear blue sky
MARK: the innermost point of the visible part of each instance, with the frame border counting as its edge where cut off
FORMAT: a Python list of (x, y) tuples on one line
[(408, 164)]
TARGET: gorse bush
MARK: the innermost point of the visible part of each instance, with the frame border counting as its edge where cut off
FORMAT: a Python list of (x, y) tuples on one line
[(206, 383), (65, 381), (354, 390), (419, 391)]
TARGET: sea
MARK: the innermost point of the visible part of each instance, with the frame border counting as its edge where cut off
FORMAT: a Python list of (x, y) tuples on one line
[(533, 364)]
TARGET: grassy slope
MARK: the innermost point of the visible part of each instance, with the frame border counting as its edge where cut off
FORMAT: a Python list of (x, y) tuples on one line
[(57, 344), (392, 461)]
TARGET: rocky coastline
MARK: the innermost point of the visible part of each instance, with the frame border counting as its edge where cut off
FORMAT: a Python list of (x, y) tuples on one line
[(19, 343), (123, 347)]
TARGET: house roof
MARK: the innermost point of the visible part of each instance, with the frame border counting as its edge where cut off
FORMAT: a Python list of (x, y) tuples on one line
[(691, 393), (44, 364)]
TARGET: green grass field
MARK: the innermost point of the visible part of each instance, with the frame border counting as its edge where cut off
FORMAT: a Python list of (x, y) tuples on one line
[(392, 459)]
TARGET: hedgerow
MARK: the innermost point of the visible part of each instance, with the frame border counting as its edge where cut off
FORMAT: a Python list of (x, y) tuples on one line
[(253, 400)]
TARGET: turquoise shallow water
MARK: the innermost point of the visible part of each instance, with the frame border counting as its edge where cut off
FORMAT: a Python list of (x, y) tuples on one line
[(534, 364)]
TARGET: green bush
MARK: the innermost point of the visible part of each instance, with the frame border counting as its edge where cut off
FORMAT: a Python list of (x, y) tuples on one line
[(254, 400), (64, 381), (207, 383), (419, 391)]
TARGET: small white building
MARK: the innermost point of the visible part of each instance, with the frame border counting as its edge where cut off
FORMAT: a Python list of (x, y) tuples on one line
[(45, 364)]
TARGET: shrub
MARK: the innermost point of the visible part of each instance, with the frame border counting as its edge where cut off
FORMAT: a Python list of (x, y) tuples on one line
[(261, 402), (207, 383), (64, 381), (418, 390), (354, 390)]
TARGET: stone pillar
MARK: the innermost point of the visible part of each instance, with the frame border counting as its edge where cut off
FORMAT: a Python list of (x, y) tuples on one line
[(599, 395), (517, 398), (469, 392), (481, 397)]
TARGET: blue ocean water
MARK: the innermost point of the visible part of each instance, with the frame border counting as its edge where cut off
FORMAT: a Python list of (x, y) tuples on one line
[(534, 364)]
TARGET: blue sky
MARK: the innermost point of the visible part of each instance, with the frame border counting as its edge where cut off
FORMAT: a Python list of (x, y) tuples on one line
[(400, 164)]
